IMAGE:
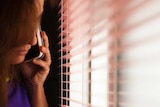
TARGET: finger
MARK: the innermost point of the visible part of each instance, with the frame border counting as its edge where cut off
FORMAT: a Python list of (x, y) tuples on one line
[(47, 56), (42, 64), (45, 39)]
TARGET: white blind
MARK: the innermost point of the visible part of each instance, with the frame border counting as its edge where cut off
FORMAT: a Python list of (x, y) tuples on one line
[(139, 64), (110, 53), (87, 41)]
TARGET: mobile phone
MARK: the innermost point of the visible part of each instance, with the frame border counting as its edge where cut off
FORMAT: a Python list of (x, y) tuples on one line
[(34, 52)]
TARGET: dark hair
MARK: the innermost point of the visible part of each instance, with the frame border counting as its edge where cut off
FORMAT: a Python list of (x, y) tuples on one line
[(18, 21)]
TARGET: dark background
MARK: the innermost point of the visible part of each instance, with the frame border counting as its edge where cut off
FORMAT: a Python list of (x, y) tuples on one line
[(50, 25)]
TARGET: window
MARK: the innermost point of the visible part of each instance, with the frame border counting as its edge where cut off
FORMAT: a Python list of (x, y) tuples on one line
[(139, 56), (111, 53)]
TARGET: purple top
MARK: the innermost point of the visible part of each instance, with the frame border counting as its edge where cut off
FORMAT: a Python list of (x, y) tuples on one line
[(18, 96)]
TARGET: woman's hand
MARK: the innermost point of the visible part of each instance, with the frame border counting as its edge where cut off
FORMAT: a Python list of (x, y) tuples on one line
[(36, 71)]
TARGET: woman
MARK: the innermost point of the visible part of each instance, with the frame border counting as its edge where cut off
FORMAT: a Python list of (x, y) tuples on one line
[(21, 83)]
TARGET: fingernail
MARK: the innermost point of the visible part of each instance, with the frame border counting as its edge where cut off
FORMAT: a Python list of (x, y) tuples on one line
[(43, 33), (40, 48)]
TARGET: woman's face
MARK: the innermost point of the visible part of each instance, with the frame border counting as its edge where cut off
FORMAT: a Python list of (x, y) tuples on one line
[(18, 54)]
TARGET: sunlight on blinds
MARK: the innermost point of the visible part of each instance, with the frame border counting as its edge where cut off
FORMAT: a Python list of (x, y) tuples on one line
[(110, 53), (87, 42), (139, 60)]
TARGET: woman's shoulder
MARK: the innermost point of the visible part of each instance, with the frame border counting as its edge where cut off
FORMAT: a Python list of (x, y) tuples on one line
[(17, 95)]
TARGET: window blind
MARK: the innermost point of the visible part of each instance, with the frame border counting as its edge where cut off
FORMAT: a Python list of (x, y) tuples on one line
[(139, 53), (85, 30), (109, 53)]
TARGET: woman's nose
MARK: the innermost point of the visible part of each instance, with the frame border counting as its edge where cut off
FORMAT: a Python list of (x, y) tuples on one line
[(33, 41)]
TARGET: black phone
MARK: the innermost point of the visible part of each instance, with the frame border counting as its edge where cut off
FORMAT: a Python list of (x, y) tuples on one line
[(34, 52)]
